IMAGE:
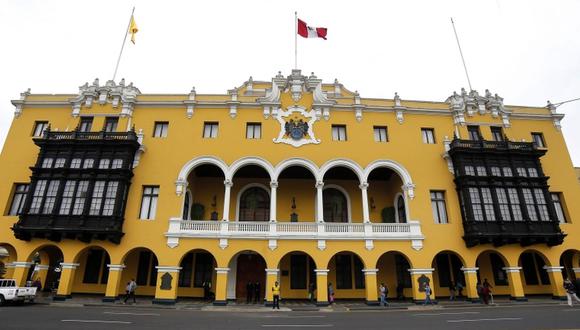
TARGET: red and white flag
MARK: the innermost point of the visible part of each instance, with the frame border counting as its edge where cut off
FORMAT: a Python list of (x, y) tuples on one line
[(311, 32)]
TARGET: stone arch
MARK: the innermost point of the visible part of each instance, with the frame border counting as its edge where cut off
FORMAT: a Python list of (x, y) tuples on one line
[(140, 264), (241, 192), (393, 271), (301, 274), (92, 273), (447, 265), (46, 259), (252, 269), (570, 260), (350, 164), (236, 165), (190, 165), (490, 265), (390, 164), (346, 273), (197, 277), (534, 275), (301, 162)]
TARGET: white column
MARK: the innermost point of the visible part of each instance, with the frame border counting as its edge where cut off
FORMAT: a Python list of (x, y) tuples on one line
[(228, 186), (365, 201), (319, 204), (273, 200)]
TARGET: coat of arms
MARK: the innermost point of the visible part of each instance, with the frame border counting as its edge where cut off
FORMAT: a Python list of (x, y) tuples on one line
[(296, 129), (296, 126)]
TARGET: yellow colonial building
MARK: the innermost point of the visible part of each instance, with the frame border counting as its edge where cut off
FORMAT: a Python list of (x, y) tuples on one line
[(290, 180)]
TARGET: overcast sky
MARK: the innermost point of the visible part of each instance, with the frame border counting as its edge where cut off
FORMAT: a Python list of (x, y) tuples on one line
[(526, 51)]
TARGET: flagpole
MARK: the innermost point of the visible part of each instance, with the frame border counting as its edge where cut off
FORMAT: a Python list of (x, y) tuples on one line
[(296, 40), (123, 45), (461, 53)]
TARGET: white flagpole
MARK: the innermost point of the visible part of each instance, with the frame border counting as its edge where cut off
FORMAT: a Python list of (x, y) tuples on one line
[(123, 45), (461, 53), (296, 40)]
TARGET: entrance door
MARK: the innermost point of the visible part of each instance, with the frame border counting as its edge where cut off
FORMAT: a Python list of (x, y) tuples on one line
[(254, 205), (335, 206), (251, 268)]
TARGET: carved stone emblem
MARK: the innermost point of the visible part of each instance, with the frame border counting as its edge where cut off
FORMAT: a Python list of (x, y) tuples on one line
[(296, 129), (166, 281), (296, 126), (423, 281)]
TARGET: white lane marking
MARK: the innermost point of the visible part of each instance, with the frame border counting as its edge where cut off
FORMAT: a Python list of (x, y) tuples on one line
[(97, 321), (295, 316), (448, 313), (139, 314), (297, 325), (482, 320), (566, 310)]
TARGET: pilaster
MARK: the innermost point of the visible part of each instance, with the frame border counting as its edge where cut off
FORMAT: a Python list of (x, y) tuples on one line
[(221, 286), (556, 281), (419, 278), (67, 276), (515, 281), (113, 283), (471, 283), (322, 287), (372, 298), (167, 280), (271, 278)]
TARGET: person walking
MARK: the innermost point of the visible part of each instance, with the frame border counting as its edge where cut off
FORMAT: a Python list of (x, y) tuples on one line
[(130, 291), (206, 287), (452, 288), (570, 291), (330, 294), (427, 295), (257, 292), (459, 288), (249, 292), (311, 290), (479, 289), (276, 295), (486, 291), (383, 292)]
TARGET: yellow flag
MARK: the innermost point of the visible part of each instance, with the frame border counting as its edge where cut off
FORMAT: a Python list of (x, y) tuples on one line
[(133, 29)]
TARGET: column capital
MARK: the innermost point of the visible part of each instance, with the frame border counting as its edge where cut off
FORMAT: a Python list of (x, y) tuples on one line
[(321, 272), (21, 264), (168, 269), (69, 265), (370, 271), (553, 269), (470, 270), (228, 183), (272, 271), (512, 269), (319, 184), (576, 270), (41, 267), (222, 270), (273, 184), (116, 268), (363, 186), (421, 271)]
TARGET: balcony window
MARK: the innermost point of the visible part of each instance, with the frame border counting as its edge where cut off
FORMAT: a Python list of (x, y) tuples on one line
[(469, 170), (495, 171), (496, 133), (507, 171), (149, 202), (481, 171), (111, 124), (538, 139), (210, 130), (39, 128), (75, 163), (338, 132), (117, 163), (18, 198), (50, 197), (474, 133), (86, 124), (380, 133), (160, 129), (47, 163), (522, 172), (438, 206), (253, 131), (59, 163), (533, 172), (104, 163), (557, 200), (80, 197), (428, 135), (88, 163), (67, 197)]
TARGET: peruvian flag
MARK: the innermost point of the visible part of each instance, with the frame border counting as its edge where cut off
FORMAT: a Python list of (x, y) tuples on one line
[(311, 32)]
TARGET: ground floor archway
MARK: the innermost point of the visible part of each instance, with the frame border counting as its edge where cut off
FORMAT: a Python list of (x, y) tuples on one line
[(297, 276), (491, 266), (448, 272), (570, 260), (346, 276), (92, 274), (141, 266), (197, 276), (393, 271), (247, 277), (534, 276), (46, 267)]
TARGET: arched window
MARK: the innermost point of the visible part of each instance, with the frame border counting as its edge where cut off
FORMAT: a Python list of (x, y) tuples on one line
[(186, 206), (402, 215), (335, 206), (254, 205)]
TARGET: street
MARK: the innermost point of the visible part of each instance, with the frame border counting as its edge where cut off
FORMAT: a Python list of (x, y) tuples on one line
[(69, 317)]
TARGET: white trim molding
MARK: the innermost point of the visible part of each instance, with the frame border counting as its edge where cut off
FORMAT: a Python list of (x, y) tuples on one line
[(553, 269), (421, 271), (512, 269), (272, 271), (116, 268), (370, 271), (21, 264), (245, 161), (222, 270), (321, 272), (469, 270), (576, 270), (168, 269), (69, 265)]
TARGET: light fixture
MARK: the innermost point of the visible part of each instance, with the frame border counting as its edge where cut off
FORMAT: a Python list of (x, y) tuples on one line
[(373, 206)]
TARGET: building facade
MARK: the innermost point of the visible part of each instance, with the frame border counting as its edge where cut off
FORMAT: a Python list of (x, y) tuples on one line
[(290, 180)]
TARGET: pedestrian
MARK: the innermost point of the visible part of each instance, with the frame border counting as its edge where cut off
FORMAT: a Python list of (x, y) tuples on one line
[(427, 295), (383, 292), (311, 290), (206, 289), (486, 291), (249, 292), (330, 294), (479, 289), (257, 292), (400, 291), (37, 284), (451, 290), (570, 292), (459, 288), (130, 291), (276, 295)]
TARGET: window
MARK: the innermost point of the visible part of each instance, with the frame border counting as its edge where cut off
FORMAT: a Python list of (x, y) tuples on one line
[(557, 200), (38, 196), (529, 201), (110, 198), (538, 139), (469, 170), (59, 163), (210, 130), (476, 204), (343, 271), (428, 135), (253, 131), (186, 271), (401, 214), (50, 196), (117, 163), (39, 128), (339, 132), (111, 124), (481, 171), (75, 163), (504, 206), (104, 163), (67, 197), (522, 171), (359, 278), (495, 171), (298, 271), (20, 191), (160, 129), (507, 171), (496, 133), (88, 163), (47, 163), (97, 198), (402, 267), (381, 134), (143, 268), (438, 206), (488, 204), (515, 203), (149, 202), (541, 204), (533, 172), (474, 133), (86, 124), (80, 197), (104, 193)]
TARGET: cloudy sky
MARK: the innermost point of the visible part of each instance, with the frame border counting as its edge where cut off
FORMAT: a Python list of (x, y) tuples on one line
[(526, 51)]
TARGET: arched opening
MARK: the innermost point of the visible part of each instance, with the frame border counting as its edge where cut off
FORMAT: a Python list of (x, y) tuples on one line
[(204, 197), (197, 276), (296, 195), (570, 259), (341, 196), (141, 266), (447, 272), (491, 268), (92, 274), (335, 205), (297, 277), (534, 277), (386, 199), (346, 276), (254, 204), (394, 273), (46, 267), (247, 277)]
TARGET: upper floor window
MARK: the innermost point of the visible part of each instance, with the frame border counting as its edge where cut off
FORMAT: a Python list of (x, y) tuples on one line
[(20, 191), (210, 130), (111, 124), (104, 163), (474, 133), (522, 171), (75, 163), (86, 124), (538, 139), (469, 170), (428, 135), (160, 129), (481, 171), (59, 163), (39, 128), (339, 132), (438, 206), (507, 171), (117, 163), (88, 163), (149, 202), (253, 131), (381, 134), (557, 200), (47, 163), (495, 171), (533, 172), (496, 133)]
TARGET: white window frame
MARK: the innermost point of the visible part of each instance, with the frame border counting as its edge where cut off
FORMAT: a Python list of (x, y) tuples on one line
[(39, 128), (381, 134), (558, 205), (439, 207), (339, 133), (18, 198), (253, 131), (160, 129), (149, 200), (210, 130), (538, 139), (428, 135)]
